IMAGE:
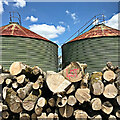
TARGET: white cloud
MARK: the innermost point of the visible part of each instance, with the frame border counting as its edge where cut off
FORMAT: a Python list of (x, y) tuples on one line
[(1, 7), (67, 11), (48, 31), (6, 2), (31, 18), (20, 3), (73, 16), (114, 22)]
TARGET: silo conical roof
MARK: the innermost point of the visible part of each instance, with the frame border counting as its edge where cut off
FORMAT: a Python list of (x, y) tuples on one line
[(15, 29), (99, 30)]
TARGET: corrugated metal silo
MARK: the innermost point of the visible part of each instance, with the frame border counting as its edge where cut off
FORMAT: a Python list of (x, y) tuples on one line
[(95, 47), (21, 44)]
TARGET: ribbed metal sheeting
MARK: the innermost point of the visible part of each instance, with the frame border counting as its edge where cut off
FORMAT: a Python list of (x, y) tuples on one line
[(29, 51), (95, 52)]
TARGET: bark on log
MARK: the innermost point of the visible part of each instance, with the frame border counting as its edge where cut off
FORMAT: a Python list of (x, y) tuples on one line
[(22, 92), (80, 115), (29, 102), (57, 83), (73, 72), (107, 107), (66, 111), (13, 101), (72, 100), (61, 102), (24, 116), (52, 102), (84, 82), (110, 91), (83, 95), (109, 75), (96, 104)]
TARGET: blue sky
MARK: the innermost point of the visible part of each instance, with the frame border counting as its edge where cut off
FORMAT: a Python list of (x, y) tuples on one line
[(57, 21)]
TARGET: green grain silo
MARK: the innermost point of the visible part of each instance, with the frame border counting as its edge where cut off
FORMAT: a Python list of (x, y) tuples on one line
[(94, 47), (21, 44)]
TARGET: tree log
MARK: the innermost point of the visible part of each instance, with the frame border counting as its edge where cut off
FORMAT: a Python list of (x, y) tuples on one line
[(96, 104), (22, 92), (24, 116), (97, 86), (118, 114), (111, 67), (4, 107), (72, 100), (83, 95), (61, 102), (80, 115), (57, 83), (73, 72), (39, 83), (5, 115), (66, 111), (13, 101), (84, 82), (33, 116), (96, 117), (8, 81), (15, 85), (107, 107), (70, 89), (118, 100), (109, 75), (29, 102), (16, 68), (110, 91), (4, 92), (42, 117), (3, 76), (20, 79), (52, 102), (41, 102), (38, 110), (36, 70), (112, 117)]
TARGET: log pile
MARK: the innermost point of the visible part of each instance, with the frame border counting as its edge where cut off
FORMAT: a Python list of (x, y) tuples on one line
[(28, 93)]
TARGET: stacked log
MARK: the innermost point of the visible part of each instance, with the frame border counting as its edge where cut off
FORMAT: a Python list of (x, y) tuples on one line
[(28, 93)]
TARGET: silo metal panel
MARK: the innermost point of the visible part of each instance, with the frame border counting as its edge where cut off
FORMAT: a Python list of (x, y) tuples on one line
[(95, 52), (29, 51)]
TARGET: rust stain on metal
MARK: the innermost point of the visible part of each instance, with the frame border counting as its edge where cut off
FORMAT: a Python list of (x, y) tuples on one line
[(98, 31), (17, 30)]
